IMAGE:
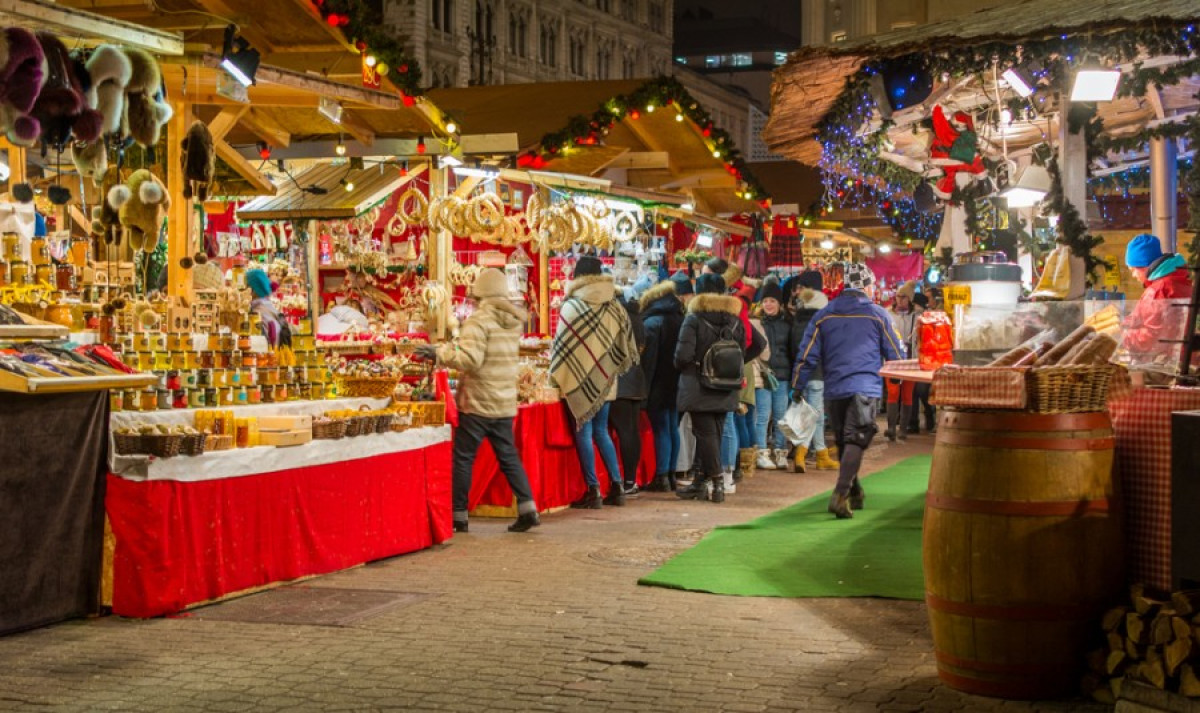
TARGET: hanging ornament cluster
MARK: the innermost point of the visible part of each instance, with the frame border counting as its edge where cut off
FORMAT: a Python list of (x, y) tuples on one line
[(382, 49)]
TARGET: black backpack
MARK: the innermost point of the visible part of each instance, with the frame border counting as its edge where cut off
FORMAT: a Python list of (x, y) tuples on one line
[(722, 367)]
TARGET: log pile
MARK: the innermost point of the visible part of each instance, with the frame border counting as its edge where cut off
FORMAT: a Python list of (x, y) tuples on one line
[(1149, 640)]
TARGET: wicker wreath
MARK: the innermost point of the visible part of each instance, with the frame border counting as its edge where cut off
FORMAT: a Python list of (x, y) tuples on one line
[(413, 207), (624, 227)]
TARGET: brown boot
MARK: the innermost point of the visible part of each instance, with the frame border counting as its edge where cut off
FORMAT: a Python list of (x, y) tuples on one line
[(746, 458), (839, 505)]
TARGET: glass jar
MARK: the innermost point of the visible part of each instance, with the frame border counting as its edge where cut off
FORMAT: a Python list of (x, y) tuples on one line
[(281, 392), (18, 272), (164, 398), (162, 361), (207, 360), (157, 341), (196, 398), (242, 437), (224, 359), (178, 342), (116, 400), (235, 360), (39, 252), (43, 274), (64, 277), (12, 247), (249, 359), (242, 398), (243, 342), (254, 394), (178, 360), (179, 398), (107, 329), (187, 379), (316, 392), (3, 273), (81, 252), (204, 377), (236, 377), (132, 400), (148, 400), (211, 399), (226, 396)]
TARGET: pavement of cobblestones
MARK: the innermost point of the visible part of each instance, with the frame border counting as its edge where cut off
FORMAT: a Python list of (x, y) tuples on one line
[(552, 620)]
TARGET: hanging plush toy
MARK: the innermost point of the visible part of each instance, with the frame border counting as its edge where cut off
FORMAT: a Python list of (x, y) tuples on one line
[(140, 204), (955, 151), (145, 111), (22, 74), (109, 71), (199, 161), (61, 108)]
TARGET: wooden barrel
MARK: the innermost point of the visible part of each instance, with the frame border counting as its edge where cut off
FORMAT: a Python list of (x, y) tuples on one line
[(1022, 548)]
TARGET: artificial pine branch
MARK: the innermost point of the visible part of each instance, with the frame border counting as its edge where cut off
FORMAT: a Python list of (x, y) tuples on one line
[(1072, 230)]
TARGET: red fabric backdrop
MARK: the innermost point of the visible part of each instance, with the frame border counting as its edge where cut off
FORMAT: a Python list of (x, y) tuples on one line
[(180, 543), (546, 442)]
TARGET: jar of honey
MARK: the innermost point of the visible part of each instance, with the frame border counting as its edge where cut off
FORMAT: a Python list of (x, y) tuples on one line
[(18, 272), (81, 252), (242, 397), (148, 400), (3, 273), (180, 398), (64, 277), (116, 400), (39, 251), (164, 398), (12, 247), (207, 360), (43, 274), (196, 398), (243, 342), (254, 394), (226, 396)]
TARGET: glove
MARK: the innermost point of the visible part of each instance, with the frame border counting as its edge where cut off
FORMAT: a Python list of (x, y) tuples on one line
[(425, 352), (797, 395)]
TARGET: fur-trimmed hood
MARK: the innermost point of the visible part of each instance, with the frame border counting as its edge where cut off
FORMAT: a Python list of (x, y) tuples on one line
[(813, 299), (662, 289), (507, 314), (710, 302), (733, 274), (594, 289)]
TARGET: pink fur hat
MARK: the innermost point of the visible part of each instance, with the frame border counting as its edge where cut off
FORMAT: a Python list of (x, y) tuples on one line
[(22, 73), (61, 108)]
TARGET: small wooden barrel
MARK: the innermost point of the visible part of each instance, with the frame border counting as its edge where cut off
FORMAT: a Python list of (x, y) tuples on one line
[(1022, 548)]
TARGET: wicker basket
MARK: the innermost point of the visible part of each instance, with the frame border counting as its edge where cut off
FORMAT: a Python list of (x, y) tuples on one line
[(366, 388), (219, 442), (163, 445), (127, 443), (329, 430), (193, 444), (383, 422), (429, 413), (1069, 389)]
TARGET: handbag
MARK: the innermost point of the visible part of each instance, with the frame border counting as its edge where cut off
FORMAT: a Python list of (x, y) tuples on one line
[(770, 381)]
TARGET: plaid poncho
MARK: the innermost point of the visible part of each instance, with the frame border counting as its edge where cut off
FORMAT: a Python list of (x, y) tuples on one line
[(592, 347)]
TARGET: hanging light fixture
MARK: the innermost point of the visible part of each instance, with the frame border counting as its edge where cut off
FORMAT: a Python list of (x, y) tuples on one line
[(1031, 187), (827, 243), (451, 127), (885, 248), (348, 185), (238, 58), (1095, 85), (420, 144), (340, 148)]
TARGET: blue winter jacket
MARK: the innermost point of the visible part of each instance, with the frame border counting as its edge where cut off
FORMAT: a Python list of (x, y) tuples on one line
[(850, 338)]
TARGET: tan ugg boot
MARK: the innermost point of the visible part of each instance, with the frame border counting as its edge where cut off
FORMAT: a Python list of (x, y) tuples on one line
[(746, 458), (825, 461)]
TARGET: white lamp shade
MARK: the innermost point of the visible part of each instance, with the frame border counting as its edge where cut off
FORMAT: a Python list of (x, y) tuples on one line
[(1018, 82), (1031, 187), (1095, 85)]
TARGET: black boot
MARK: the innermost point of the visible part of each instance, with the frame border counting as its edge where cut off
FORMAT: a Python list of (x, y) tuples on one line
[(840, 505), (660, 484), (695, 491), (893, 415), (525, 522), (460, 525), (905, 416), (718, 488), (857, 497), (590, 501), (616, 494)]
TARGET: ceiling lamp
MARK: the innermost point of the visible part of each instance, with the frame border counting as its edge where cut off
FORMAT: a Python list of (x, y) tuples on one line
[(1031, 187), (238, 58), (1021, 81), (827, 243), (348, 185), (1095, 85), (340, 148)]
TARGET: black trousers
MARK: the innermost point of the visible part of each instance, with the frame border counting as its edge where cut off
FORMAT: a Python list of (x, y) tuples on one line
[(707, 427), (470, 433), (623, 417), (921, 403), (853, 422)]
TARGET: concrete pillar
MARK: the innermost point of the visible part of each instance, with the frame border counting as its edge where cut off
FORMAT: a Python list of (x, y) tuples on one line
[(1072, 164), (1163, 191), (812, 23)]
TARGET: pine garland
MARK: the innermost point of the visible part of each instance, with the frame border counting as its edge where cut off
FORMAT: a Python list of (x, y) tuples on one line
[(1191, 184), (1072, 230), (366, 29)]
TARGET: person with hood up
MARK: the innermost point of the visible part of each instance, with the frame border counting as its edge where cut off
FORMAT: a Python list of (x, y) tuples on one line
[(712, 317), (771, 397), (1165, 277), (849, 339), (592, 348), (487, 357), (662, 317), (904, 313), (809, 300)]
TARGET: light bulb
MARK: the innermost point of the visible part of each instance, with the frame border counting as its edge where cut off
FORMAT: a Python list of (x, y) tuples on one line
[(649, 108), (371, 60), (451, 127), (349, 186), (679, 117), (340, 149), (716, 154)]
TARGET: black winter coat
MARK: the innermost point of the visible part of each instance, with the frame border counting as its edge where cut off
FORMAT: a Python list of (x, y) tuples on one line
[(662, 316), (632, 384), (803, 315), (783, 338), (721, 312)]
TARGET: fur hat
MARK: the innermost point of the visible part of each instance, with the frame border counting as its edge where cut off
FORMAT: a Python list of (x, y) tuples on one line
[(90, 159), (588, 265), (22, 74), (140, 207), (145, 112), (732, 275), (908, 289), (199, 161), (709, 283), (109, 71), (61, 108), (858, 276), (813, 279), (490, 283)]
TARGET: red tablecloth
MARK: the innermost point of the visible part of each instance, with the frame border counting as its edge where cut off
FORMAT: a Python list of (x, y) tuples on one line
[(546, 442), (1142, 425), (180, 543)]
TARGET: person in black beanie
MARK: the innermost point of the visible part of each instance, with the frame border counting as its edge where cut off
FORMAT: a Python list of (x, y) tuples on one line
[(772, 400)]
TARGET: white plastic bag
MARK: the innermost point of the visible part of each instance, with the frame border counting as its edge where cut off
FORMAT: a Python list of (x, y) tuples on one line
[(799, 423)]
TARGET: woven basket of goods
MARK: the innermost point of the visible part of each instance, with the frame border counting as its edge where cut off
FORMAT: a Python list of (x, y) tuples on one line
[(127, 443), (329, 429), (366, 387), (383, 422), (1070, 388), (193, 444), (162, 445), (219, 442)]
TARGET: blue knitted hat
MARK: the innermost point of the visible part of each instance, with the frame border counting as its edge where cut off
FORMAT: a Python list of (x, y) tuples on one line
[(1143, 250), (258, 282)]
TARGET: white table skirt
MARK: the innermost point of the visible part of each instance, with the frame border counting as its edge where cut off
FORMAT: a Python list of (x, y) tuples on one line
[(239, 462), (187, 416)]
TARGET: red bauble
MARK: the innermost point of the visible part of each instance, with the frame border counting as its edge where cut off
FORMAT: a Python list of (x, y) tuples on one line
[(332, 19), (360, 46), (635, 115), (408, 100), (403, 69), (344, 20)]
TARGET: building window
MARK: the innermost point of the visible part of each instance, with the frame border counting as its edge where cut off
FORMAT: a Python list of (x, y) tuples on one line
[(839, 36), (518, 26), (713, 61), (657, 17), (604, 62), (781, 58), (628, 10), (483, 20), (604, 5), (681, 60), (443, 15), (629, 66), (548, 46), (741, 59), (578, 46)]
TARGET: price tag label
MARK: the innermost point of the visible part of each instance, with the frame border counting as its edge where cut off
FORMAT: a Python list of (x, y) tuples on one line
[(956, 295)]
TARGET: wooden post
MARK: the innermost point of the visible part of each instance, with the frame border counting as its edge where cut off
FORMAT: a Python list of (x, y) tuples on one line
[(314, 273), (1072, 164), (179, 221), (16, 161)]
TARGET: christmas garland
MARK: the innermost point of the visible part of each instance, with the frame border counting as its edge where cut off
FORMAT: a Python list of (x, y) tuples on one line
[(658, 93), (362, 23), (1191, 184), (1072, 230)]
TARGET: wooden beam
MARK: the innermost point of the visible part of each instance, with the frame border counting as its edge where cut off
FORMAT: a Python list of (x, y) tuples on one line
[(179, 281), (640, 159), (638, 129), (247, 26), (1154, 97), (339, 38), (16, 161), (225, 120), (315, 85), (266, 129), (243, 167), (357, 128), (48, 15)]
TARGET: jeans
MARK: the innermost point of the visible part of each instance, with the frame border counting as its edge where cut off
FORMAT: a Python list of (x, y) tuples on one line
[(770, 406), (729, 444), (624, 417), (470, 433), (596, 431), (709, 429), (745, 427), (666, 439), (814, 394)]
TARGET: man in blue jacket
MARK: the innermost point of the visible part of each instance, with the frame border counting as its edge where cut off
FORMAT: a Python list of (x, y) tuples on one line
[(850, 339)]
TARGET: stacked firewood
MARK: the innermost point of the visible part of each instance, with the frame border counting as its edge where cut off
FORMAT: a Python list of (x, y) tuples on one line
[(1148, 640)]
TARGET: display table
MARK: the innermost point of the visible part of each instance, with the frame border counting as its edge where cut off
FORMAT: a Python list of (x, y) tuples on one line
[(905, 370), (1142, 425), (546, 442), (190, 530)]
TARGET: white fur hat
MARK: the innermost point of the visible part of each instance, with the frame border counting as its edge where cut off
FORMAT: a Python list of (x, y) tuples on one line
[(110, 72)]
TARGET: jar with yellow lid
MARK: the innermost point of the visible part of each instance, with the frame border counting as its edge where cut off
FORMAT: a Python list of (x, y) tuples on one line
[(18, 272)]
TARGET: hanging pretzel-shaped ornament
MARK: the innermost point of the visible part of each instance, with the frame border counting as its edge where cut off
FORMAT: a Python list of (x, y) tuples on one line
[(413, 207), (624, 226)]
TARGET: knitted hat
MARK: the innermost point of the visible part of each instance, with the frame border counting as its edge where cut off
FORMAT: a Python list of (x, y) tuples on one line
[(812, 279), (639, 287), (490, 283), (858, 276), (258, 282), (588, 265), (1143, 250), (717, 265), (710, 284), (771, 290), (908, 289), (921, 300), (683, 284)]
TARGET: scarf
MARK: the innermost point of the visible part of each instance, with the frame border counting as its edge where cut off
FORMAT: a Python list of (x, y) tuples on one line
[(593, 347)]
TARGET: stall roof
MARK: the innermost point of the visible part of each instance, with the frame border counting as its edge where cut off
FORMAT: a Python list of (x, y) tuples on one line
[(805, 88), (293, 202), (75, 23)]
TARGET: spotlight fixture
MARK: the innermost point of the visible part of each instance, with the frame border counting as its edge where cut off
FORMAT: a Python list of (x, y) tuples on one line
[(238, 58), (1031, 187), (1021, 80), (1095, 85), (885, 248)]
